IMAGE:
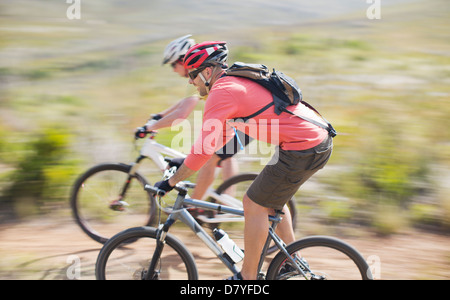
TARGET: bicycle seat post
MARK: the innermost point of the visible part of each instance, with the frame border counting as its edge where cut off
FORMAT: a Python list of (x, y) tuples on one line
[(276, 219)]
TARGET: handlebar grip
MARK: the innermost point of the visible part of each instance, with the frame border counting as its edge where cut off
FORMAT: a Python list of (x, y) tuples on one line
[(140, 132), (154, 190)]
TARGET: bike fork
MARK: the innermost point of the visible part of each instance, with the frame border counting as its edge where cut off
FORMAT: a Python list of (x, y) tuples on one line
[(151, 273), (131, 175)]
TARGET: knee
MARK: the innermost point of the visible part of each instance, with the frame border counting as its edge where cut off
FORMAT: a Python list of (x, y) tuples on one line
[(211, 164), (247, 202), (215, 158), (251, 207)]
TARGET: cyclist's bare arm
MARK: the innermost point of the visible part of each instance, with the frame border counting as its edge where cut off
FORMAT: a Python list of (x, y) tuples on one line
[(175, 113), (182, 173)]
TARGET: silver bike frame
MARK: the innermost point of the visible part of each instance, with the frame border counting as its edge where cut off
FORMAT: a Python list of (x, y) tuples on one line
[(181, 214)]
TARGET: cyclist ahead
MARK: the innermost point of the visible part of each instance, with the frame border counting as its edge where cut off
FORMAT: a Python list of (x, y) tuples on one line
[(303, 148)]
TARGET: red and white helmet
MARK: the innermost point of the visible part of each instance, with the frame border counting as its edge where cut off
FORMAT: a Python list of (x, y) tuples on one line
[(214, 53), (176, 49)]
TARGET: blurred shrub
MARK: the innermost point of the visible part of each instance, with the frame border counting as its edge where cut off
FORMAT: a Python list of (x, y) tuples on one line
[(389, 175), (424, 214), (41, 175), (248, 54), (445, 209), (2, 143), (388, 219), (336, 210), (301, 44), (385, 178)]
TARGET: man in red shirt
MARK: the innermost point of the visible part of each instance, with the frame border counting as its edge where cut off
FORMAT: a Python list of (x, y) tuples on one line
[(303, 148)]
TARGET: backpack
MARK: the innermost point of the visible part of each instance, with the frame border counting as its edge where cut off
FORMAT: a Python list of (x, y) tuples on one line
[(284, 89)]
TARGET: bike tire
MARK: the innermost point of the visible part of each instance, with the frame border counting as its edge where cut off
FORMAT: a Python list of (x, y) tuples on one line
[(122, 169), (344, 250), (251, 177), (141, 233)]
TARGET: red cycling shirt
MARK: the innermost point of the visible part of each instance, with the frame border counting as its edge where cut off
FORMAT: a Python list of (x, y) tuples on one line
[(234, 97)]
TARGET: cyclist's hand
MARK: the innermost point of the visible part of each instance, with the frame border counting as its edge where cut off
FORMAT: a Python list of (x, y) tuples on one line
[(176, 162), (140, 133), (164, 185)]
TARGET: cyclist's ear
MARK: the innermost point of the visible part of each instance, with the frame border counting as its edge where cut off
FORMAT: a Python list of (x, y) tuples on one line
[(209, 71)]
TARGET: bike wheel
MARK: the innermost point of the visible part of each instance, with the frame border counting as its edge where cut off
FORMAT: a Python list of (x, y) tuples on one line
[(238, 185), (131, 262), (327, 258), (101, 207)]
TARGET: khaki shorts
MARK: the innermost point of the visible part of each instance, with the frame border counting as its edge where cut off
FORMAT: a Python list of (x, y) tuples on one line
[(287, 171)]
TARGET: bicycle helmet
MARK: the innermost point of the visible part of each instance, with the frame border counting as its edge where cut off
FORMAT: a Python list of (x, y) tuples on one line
[(206, 53), (176, 49)]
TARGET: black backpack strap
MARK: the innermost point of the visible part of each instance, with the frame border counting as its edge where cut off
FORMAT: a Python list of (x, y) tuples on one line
[(277, 96), (331, 131), (245, 119)]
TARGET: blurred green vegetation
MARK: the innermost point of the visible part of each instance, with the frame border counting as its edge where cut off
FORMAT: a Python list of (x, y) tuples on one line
[(39, 172), (383, 84)]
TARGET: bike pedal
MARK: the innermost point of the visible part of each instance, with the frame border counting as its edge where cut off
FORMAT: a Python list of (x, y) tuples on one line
[(118, 205)]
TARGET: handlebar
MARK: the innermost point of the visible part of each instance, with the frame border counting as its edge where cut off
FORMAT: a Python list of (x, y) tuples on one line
[(141, 133), (154, 190), (180, 187)]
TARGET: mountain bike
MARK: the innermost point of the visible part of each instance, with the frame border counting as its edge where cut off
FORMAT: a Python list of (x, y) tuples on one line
[(157, 254), (110, 197)]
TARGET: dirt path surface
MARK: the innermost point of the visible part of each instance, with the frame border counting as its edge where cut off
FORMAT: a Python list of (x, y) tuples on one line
[(58, 250)]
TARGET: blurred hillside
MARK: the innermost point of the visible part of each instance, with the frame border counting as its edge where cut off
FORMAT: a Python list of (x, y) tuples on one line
[(72, 92)]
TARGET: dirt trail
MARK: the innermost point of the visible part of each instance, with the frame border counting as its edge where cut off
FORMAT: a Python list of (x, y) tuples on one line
[(49, 249)]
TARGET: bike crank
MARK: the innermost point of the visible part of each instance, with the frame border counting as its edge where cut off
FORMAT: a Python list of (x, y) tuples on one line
[(118, 205)]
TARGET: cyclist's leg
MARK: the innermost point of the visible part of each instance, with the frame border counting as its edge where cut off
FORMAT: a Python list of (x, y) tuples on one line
[(255, 235), (285, 229), (274, 186), (256, 218), (229, 168)]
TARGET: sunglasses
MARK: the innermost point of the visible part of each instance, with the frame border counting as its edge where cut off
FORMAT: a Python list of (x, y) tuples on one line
[(195, 73), (174, 64)]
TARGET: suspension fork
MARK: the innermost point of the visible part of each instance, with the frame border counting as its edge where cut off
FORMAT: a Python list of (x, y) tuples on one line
[(163, 229), (131, 175), (160, 242)]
